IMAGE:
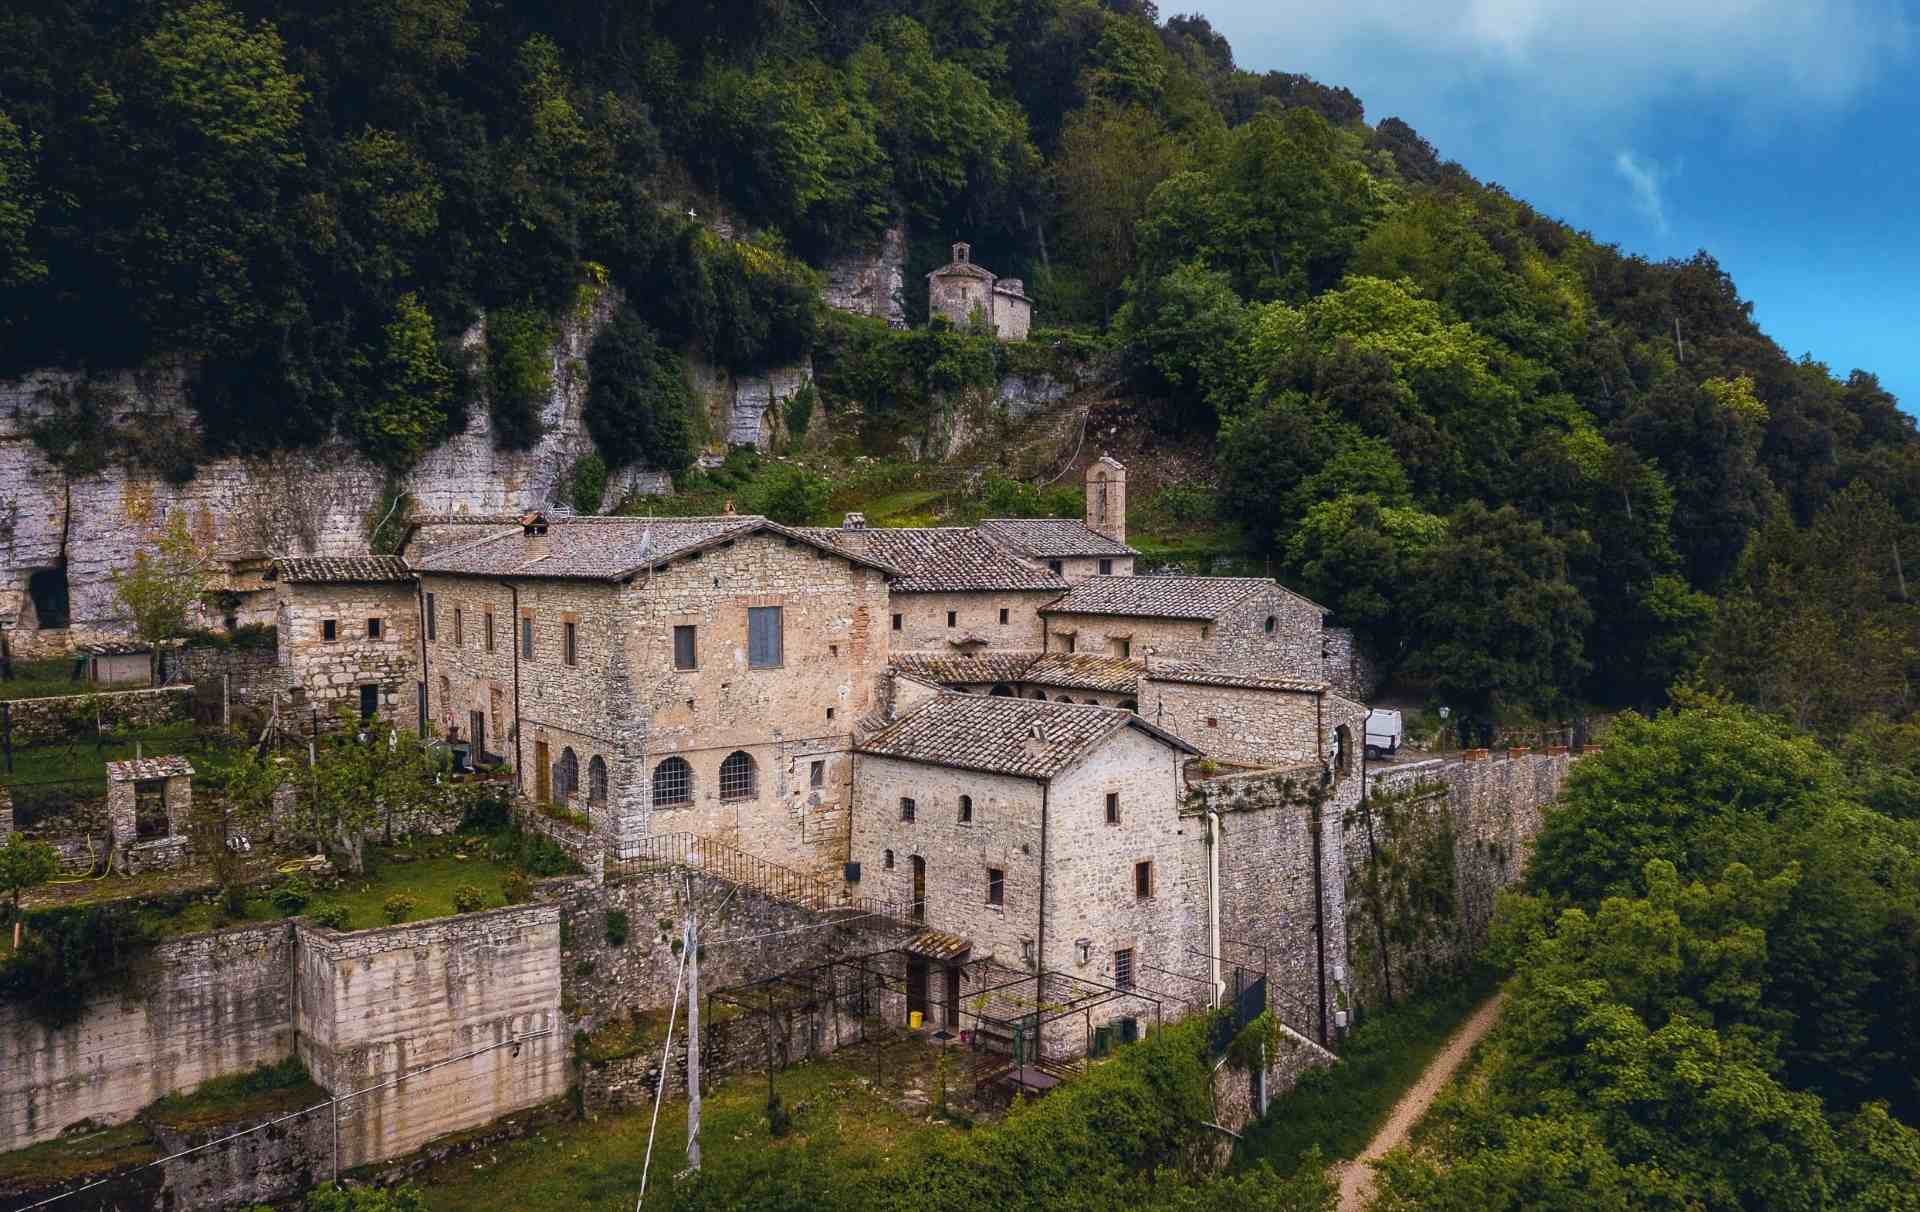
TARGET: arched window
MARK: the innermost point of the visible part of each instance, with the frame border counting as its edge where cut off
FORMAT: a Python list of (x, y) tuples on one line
[(672, 783), (737, 780), (1040, 695), (1063, 699), (886, 860), (1001, 692), (1130, 705), (597, 780), (566, 775), (1271, 624)]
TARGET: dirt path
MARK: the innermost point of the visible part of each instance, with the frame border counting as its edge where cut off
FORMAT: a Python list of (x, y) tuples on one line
[(1356, 1176)]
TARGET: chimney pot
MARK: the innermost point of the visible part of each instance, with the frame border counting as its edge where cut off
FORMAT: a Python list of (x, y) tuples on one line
[(854, 521)]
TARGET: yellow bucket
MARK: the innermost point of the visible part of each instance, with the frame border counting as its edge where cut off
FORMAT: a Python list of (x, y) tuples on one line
[(913, 1020)]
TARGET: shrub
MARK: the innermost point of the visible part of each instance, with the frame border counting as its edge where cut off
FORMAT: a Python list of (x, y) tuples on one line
[(70, 957), (587, 488), (487, 812), (333, 917), (792, 496), (616, 927), (468, 899), (638, 407), (800, 407), (516, 887), (292, 897), (519, 373), (399, 907)]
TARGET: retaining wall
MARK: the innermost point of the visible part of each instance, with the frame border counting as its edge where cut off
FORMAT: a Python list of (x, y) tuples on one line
[(41, 721)]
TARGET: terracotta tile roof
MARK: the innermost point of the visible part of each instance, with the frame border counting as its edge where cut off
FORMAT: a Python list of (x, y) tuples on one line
[(977, 668), (1202, 598), (1168, 671), (935, 944), (320, 569), (942, 559), (1085, 671), (1028, 738), (609, 549), (1050, 538), (134, 770)]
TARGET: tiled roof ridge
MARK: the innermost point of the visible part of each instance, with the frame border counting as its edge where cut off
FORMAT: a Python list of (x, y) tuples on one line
[(320, 568)]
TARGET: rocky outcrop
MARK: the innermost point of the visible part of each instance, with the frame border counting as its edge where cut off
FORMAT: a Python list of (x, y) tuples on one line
[(871, 282)]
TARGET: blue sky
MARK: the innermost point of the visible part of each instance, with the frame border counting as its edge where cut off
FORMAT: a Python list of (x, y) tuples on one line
[(1782, 136)]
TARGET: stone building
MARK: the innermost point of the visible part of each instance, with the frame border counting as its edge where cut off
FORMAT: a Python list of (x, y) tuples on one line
[(1249, 624), (1047, 836), (349, 637), (148, 803), (699, 675), (961, 289)]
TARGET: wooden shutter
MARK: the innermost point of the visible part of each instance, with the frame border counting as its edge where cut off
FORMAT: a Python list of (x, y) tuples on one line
[(763, 637)]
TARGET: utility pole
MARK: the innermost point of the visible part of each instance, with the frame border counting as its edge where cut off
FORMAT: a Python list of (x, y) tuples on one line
[(693, 1033)]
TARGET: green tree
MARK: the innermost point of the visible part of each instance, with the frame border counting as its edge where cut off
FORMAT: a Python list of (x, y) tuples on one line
[(791, 495), (1108, 164), (409, 413), (362, 775), (405, 1198), (20, 199), (164, 584), (638, 407), (1356, 556), (24, 865), (1494, 616), (519, 374), (1180, 332)]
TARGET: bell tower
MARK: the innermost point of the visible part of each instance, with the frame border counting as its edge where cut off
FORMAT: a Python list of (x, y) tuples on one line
[(1107, 498)]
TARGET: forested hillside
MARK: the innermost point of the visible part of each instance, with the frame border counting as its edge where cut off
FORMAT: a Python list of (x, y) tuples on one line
[(1530, 467)]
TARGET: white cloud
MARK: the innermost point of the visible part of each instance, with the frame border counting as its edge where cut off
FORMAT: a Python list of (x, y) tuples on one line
[(1644, 182)]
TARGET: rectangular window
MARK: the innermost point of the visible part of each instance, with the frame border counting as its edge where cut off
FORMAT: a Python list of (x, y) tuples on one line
[(1070, 637), (486, 631), (906, 808), (996, 886), (817, 774), (966, 810), (1113, 807), (373, 629), (1003, 616), (459, 628), (1106, 568), (1125, 648), (896, 622), (686, 647), (829, 715), (330, 629), (765, 641), (432, 619), (570, 642), (1123, 968), (526, 636), (953, 617), (1143, 879), (1053, 566)]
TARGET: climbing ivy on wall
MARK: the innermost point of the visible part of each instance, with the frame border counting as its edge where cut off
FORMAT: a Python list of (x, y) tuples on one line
[(1403, 903)]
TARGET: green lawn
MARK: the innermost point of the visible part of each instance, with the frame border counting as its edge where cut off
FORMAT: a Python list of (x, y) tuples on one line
[(1338, 1109), (44, 679), (594, 1165), (77, 1155)]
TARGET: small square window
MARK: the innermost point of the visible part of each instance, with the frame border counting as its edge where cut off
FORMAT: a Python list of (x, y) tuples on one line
[(570, 643), (896, 622), (953, 617), (1113, 807), (829, 714), (1143, 879), (373, 629), (1213, 721), (1123, 648), (906, 808), (966, 810), (1106, 568), (817, 774), (1123, 968), (330, 629), (1003, 616), (686, 647), (996, 886), (1054, 567)]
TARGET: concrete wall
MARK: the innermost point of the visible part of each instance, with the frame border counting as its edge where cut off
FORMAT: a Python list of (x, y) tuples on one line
[(377, 1003), (201, 1007), (923, 620)]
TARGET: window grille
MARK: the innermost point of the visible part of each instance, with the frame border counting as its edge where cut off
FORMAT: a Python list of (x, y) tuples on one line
[(906, 808), (1123, 968), (566, 775), (597, 781), (672, 783), (736, 776)]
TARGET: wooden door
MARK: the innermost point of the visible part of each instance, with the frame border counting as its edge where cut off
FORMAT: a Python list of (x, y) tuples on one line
[(953, 998), (477, 734), (542, 773)]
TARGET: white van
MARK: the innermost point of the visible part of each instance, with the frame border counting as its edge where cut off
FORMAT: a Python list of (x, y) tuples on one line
[(1383, 732)]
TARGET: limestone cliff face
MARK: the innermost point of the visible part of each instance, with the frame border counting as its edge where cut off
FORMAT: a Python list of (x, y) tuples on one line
[(313, 502)]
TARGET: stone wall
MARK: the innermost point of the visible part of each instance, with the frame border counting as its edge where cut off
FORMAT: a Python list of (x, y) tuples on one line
[(281, 1162), (1250, 725), (45, 721), (1491, 809), (1350, 668), (327, 675), (375, 1004), (252, 674), (918, 621), (202, 1007)]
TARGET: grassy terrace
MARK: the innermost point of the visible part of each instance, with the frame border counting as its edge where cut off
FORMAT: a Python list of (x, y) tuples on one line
[(1337, 1110), (44, 679), (594, 1165)]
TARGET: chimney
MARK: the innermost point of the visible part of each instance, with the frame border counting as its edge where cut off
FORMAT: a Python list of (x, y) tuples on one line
[(534, 527), (854, 521), (853, 534), (1107, 498), (962, 251)]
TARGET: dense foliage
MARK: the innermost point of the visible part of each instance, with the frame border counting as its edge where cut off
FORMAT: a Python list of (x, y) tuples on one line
[(1417, 383), (1717, 971)]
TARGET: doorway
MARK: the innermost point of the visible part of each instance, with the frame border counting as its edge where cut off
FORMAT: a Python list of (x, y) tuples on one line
[(542, 773), (919, 891), (953, 998), (917, 985), (369, 702), (477, 734)]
